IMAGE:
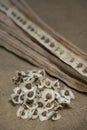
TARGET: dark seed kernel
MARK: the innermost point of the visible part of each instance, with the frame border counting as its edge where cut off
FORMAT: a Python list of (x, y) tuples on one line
[(57, 49), (47, 83), (38, 82), (16, 98), (24, 106), (28, 86), (67, 93), (72, 60), (64, 105), (48, 96), (13, 14), (56, 84), (44, 113), (29, 102), (48, 105), (42, 73), (21, 20), (19, 74), (24, 22), (85, 70), (40, 104), (30, 94), (43, 37), (35, 112), (47, 40), (23, 113), (55, 104), (32, 29), (18, 79), (52, 44), (30, 79), (3, 6), (61, 52), (36, 78), (55, 115), (79, 65), (18, 17), (29, 27), (21, 80), (19, 91), (22, 97)]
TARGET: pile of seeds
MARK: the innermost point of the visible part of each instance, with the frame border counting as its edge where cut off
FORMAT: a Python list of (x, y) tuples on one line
[(38, 96)]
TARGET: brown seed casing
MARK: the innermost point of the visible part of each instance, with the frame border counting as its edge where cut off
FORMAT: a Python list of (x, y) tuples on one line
[(26, 48)]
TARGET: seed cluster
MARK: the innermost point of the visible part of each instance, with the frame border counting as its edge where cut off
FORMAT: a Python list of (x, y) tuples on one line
[(38, 96)]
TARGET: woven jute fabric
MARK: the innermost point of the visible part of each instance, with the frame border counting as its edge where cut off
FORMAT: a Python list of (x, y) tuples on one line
[(69, 18)]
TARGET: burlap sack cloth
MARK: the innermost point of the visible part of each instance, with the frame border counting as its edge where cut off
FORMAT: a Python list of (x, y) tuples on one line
[(69, 18)]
